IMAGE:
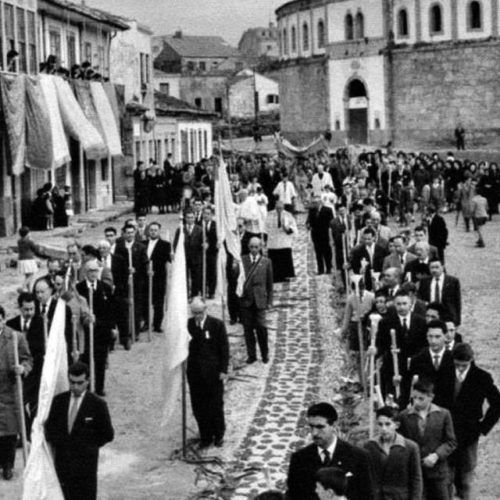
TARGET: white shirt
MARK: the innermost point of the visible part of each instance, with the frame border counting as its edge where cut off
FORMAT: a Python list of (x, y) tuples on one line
[(73, 400), (330, 449), (439, 354), (254, 259), (285, 191), (371, 249), (440, 281), (407, 318), (151, 247), (112, 249), (92, 285), (461, 376)]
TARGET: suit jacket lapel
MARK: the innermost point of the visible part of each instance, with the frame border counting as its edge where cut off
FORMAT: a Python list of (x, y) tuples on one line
[(81, 412)]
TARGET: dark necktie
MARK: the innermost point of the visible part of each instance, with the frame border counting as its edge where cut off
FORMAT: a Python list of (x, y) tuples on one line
[(405, 327), (25, 326), (44, 309), (437, 297), (279, 220), (326, 457)]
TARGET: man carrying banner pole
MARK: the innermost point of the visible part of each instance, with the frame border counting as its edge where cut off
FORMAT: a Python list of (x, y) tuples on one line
[(12, 366)]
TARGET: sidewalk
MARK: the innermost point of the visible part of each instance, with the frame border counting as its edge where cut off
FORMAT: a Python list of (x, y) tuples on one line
[(53, 243)]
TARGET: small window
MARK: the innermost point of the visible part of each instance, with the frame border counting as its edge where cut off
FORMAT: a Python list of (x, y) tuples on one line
[(165, 88), (321, 34), (104, 170), (190, 66), (285, 42), (198, 102), (337, 124), (403, 23), (349, 27), (377, 123), (436, 20), (294, 39), (359, 26), (305, 37), (203, 66), (475, 21), (218, 104)]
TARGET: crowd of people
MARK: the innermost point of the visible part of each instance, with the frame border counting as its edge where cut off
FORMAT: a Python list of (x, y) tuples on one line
[(376, 227), (51, 208)]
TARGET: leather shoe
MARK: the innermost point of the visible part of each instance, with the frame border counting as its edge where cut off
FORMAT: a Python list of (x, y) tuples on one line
[(219, 443), (7, 473), (128, 344), (251, 360), (265, 360), (204, 444)]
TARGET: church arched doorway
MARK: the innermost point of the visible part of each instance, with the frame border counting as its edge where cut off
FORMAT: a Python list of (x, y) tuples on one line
[(357, 101)]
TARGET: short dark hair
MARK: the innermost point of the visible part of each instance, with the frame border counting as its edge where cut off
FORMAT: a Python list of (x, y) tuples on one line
[(381, 293), (420, 228), (25, 297), (369, 230), (128, 226), (436, 306), (332, 478), (111, 229), (409, 287), (424, 385), (401, 293), (45, 280), (78, 368), (325, 410), (270, 495), (463, 352), (23, 231), (155, 223), (435, 259), (437, 323), (389, 412)]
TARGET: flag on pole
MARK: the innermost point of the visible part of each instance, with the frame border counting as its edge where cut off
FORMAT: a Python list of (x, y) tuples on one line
[(227, 228), (40, 478), (176, 345)]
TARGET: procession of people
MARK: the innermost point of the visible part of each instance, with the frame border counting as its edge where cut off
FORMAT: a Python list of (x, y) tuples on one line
[(376, 228)]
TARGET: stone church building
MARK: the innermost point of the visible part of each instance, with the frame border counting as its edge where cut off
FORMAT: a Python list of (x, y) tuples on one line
[(407, 71)]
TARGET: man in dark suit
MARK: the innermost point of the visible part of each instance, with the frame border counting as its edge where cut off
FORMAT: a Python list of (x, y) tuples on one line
[(339, 226), (318, 222), (77, 426), (46, 304), (327, 450), (159, 252), (31, 326), (103, 321), (211, 250), (444, 289), (452, 336), (257, 296), (410, 332), (434, 364), (438, 232), (368, 254), (129, 257), (207, 366), (193, 247), (473, 387), (400, 258), (419, 268)]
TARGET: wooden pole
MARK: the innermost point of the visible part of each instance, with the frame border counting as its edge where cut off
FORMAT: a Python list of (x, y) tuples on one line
[(345, 244), (184, 412), (75, 351), (362, 376), (45, 329), (131, 305), (395, 362), (91, 341), (204, 261), (374, 321), (20, 400), (150, 300)]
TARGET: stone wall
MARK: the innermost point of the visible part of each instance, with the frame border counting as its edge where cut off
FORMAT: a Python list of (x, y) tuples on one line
[(304, 99), (435, 88)]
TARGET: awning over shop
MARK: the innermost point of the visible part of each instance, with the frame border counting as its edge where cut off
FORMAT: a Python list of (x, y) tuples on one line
[(60, 150), (77, 122), (107, 119), (13, 107)]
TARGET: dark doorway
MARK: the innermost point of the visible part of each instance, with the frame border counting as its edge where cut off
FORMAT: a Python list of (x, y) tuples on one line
[(357, 112)]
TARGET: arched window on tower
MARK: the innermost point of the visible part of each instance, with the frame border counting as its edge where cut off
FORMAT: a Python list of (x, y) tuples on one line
[(321, 34), (285, 42), (474, 16), (349, 27), (359, 26), (305, 37), (436, 19), (294, 39), (403, 23)]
